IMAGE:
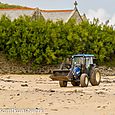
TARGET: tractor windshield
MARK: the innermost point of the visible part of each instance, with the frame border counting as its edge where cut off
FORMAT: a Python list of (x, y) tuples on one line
[(77, 60)]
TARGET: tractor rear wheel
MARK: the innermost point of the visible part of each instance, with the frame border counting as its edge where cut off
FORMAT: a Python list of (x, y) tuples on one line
[(95, 77), (75, 83), (63, 83), (84, 80)]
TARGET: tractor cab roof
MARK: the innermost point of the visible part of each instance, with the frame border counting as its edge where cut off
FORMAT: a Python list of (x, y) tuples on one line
[(83, 55)]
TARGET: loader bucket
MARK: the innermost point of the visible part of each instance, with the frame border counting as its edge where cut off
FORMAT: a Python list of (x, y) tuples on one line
[(60, 75)]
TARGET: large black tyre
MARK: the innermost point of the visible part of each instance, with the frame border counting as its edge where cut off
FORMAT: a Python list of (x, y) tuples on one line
[(95, 77), (75, 83), (84, 80), (63, 83)]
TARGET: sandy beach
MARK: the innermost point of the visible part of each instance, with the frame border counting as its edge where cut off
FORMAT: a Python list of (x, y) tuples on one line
[(39, 95)]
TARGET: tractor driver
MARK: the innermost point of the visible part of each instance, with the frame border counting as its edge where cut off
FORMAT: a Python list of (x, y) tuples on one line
[(76, 71)]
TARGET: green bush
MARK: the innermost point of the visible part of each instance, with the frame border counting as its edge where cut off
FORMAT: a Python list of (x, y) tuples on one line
[(47, 42)]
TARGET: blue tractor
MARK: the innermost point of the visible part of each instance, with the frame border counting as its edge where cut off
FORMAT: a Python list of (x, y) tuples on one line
[(79, 71)]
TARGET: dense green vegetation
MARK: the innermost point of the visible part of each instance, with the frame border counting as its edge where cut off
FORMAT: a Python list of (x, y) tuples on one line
[(45, 42), (2, 5)]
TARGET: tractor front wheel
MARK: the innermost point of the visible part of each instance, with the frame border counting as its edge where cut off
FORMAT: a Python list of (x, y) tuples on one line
[(84, 80), (63, 83)]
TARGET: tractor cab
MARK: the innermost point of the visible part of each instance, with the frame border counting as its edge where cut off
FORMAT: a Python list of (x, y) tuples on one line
[(84, 62)]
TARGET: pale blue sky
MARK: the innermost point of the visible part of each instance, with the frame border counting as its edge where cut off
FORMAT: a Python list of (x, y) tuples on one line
[(102, 9)]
